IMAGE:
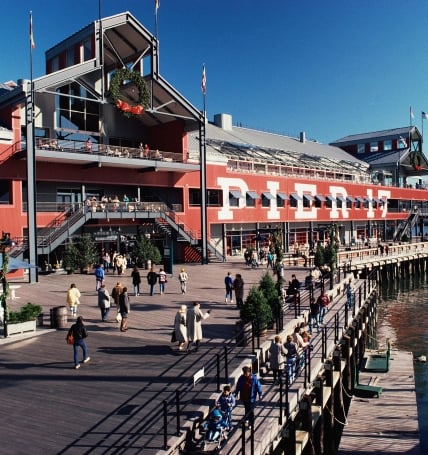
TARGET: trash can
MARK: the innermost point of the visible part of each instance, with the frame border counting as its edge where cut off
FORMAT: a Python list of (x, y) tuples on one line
[(59, 317)]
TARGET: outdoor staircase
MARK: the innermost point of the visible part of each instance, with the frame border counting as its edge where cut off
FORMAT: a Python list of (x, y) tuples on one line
[(405, 227), (66, 224)]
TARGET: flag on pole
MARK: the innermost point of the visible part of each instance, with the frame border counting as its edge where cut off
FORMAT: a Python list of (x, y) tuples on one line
[(412, 115), (204, 81), (424, 115), (157, 4), (32, 43)]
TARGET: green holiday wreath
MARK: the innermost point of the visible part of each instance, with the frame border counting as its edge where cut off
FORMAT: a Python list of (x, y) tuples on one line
[(416, 160), (143, 101)]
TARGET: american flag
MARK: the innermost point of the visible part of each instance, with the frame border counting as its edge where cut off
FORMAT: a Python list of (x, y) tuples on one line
[(32, 43), (204, 81)]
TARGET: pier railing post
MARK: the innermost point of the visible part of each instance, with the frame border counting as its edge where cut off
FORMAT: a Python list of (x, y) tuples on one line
[(177, 412)]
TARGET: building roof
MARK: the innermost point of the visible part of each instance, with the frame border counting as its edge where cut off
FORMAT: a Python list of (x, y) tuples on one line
[(248, 144), (404, 131)]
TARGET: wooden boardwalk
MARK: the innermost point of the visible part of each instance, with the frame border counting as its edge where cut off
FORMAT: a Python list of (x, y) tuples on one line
[(388, 424), (112, 404)]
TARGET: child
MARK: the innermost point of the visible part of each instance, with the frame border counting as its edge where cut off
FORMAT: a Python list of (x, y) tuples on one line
[(214, 425), (226, 402)]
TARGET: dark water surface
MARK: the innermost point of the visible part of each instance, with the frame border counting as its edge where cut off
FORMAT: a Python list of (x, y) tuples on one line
[(404, 310)]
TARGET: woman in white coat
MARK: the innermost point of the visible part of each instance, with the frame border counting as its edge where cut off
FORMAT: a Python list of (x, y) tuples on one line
[(194, 325), (180, 326)]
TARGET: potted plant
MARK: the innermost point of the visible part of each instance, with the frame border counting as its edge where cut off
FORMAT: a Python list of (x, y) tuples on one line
[(145, 251), (88, 254), (70, 260), (23, 320), (270, 291), (256, 309)]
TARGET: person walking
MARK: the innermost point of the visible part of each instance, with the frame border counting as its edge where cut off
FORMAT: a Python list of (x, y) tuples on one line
[(247, 389), (180, 328), (292, 353), (152, 278), (104, 302), (79, 333), (107, 261), (228, 284), (162, 281), (323, 301), (124, 308), (99, 276), (73, 299), (194, 319), (182, 277), (276, 360), (115, 293), (314, 313), (238, 286), (136, 280)]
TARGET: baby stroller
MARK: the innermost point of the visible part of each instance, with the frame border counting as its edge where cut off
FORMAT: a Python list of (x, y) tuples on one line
[(215, 431)]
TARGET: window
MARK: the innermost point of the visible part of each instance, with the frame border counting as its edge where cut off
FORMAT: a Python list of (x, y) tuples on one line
[(266, 198), (251, 197), (234, 196), (87, 51), (77, 112), (55, 64), (194, 196), (402, 143), (5, 193), (361, 148), (280, 199), (214, 198), (318, 200), (307, 199), (387, 145), (374, 147), (294, 198)]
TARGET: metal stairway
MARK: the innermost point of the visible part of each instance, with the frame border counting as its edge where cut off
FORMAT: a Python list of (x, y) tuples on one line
[(66, 224), (404, 227)]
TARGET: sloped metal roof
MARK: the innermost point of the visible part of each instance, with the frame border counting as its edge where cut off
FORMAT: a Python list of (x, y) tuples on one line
[(379, 135)]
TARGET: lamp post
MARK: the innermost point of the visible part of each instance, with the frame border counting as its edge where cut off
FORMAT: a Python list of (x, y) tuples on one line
[(4, 244)]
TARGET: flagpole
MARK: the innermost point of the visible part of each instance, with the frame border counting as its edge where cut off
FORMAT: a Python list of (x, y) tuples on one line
[(31, 169), (203, 172), (156, 18)]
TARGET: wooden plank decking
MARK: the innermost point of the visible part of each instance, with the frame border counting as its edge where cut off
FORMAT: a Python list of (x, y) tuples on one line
[(388, 424)]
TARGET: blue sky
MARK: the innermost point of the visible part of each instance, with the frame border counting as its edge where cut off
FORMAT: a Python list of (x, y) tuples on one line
[(329, 68)]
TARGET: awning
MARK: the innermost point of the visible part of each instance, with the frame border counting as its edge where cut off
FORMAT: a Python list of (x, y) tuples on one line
[(341, 198), (296, 196), (236, 194), (320, 198), (282, 196), (308, 197), (253, 195), (360, 199), (267, 195), (16, 264), (350, 199), (331, 198)]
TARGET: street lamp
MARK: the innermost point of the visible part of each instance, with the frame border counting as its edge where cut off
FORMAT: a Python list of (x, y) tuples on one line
[(5, 243)]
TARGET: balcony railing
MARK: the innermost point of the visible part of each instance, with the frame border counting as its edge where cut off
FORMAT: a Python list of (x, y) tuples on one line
[(113, 151)]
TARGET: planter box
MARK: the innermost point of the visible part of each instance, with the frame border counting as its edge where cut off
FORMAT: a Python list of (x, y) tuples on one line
[(20, 328)]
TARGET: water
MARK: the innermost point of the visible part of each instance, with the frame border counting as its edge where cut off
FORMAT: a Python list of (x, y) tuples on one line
[(403, 310)]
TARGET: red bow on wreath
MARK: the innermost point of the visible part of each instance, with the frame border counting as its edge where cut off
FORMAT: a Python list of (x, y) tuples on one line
[(125, 107)]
